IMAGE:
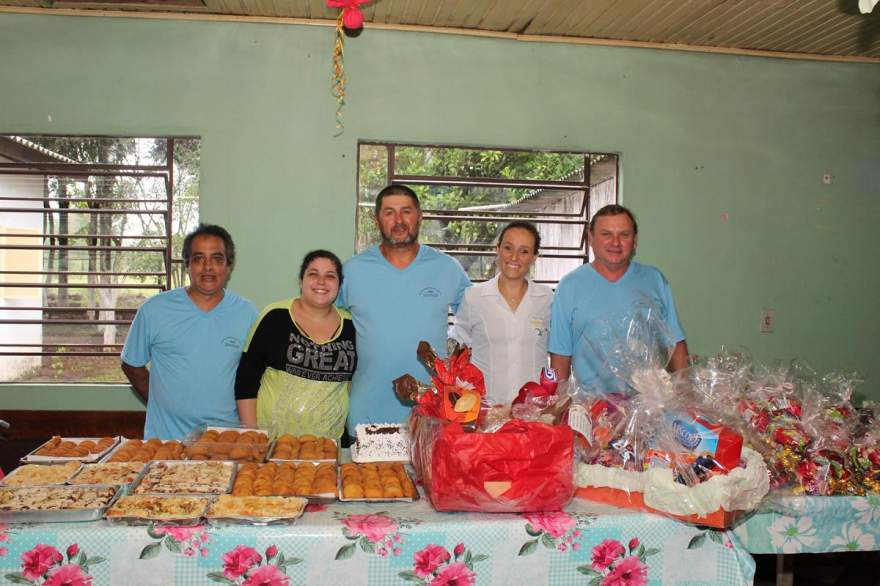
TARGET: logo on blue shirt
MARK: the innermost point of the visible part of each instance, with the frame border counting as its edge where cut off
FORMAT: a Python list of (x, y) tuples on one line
[(429, 292), (232, 342)]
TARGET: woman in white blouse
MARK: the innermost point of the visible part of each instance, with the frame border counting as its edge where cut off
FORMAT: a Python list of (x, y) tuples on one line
[(506, 320)]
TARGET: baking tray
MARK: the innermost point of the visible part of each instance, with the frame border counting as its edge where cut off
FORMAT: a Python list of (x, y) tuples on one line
[(227, 448), (61, 515), (175, 463), (416, 495), (182, 521), (5, 482), (122, 441), (85, 467), (273, 458), (254, 520), (320, 498), (33, 458)]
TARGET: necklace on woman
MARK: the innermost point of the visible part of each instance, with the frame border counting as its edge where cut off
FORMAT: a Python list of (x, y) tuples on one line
[(512, 293)]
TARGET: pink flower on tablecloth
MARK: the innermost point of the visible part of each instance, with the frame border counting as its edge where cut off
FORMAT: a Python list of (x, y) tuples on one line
[(627, 572), (69, 575), (429, 559), (633, 543), (240, 560), (456, 574), (72, 550), (268, 575), (605, 553), (316, 508), (3, 551), (37, 561), (271, 552), (459, 549), (373, 527), (180, 534), (554, 524)]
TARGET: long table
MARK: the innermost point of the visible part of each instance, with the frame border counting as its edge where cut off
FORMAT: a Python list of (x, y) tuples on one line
[(387, 543), (799, 524)]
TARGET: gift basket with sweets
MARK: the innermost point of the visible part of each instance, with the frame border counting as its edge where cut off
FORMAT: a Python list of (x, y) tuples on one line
[(470, 457), (814, 440), (657, 443)]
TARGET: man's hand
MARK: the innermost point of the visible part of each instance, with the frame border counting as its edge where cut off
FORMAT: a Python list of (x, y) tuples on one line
[(562, 365), (679, 358), (139, 377)]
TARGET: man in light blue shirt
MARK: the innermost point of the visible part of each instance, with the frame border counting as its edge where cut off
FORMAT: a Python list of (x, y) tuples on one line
[(398, 293), (192, 338), (596, 296)]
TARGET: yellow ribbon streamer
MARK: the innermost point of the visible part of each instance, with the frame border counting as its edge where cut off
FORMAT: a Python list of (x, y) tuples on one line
[(338, 83)]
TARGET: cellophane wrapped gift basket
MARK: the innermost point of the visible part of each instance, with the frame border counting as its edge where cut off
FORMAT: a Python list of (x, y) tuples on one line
[(816, 442), (471, 456), (659, 443)]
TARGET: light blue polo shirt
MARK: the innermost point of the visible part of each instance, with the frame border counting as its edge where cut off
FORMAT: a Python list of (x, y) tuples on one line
[(588, 315), (393, 310), (193, 356)]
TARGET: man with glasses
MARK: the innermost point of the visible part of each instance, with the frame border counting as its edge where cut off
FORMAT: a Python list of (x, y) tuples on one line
[(192, 337)]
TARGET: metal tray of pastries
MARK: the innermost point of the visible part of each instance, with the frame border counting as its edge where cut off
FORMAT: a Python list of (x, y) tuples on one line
[(55, 504), (227, 443), (41, 474), (66, 449), (169, 509), (314, 480), (256, 510), (186, 478), (382, 481)]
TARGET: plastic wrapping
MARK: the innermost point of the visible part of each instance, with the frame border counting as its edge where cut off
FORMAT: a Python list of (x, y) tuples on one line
[(523, 466), (665, 444), (808, 430)]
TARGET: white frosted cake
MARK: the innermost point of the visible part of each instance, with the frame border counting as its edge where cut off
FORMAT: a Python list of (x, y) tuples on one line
[(380, 442)]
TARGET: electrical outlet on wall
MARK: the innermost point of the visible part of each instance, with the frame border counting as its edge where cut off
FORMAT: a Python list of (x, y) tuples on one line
[(766, 321)]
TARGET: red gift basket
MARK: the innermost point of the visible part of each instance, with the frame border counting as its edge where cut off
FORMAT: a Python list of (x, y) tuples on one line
[(523, 466)]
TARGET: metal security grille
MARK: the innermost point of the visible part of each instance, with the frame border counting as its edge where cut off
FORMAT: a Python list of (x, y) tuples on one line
[(86, 235), (468, 194)]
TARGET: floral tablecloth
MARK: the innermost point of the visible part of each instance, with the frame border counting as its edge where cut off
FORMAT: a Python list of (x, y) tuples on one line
[(799, 524), (353, 544)]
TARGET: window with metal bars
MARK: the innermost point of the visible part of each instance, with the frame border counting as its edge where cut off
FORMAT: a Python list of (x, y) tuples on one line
[(90, 227), (468, 194)]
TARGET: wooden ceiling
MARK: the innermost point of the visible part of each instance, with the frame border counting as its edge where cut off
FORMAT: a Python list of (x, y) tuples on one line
[(813, 29)]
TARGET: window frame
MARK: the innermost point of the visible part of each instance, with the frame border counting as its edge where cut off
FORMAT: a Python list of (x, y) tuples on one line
[(579, 218), (97, 243)]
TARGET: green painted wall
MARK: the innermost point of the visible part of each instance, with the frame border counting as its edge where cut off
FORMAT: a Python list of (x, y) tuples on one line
[(701, 136)]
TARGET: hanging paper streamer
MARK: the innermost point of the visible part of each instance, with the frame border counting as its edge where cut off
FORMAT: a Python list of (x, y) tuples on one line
[(350, 18)]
